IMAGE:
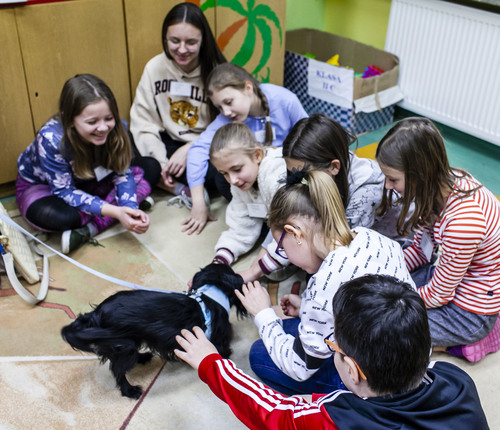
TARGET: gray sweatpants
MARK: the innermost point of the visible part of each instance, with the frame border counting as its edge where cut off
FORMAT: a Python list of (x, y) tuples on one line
[(450, 324)]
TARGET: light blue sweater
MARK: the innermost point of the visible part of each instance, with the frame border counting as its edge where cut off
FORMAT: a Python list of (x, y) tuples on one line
[(284, 109)]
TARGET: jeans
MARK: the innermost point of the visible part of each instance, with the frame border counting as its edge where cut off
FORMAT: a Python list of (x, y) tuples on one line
[(324, 381)]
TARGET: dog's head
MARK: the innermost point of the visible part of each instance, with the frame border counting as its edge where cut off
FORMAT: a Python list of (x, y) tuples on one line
[(224, 278)]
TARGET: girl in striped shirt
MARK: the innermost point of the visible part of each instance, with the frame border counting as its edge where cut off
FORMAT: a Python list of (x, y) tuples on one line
[(455, 212)]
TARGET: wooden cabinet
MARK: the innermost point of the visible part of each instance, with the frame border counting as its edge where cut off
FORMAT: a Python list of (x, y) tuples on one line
[(60, 40), (43, 45), (16, 126)]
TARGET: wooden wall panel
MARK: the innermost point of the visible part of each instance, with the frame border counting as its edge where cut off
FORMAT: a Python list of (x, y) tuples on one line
[(16, 127), (59, 40)]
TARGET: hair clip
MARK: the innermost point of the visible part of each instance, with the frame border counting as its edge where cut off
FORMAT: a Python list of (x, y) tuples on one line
[(304, 181), (268, 118)]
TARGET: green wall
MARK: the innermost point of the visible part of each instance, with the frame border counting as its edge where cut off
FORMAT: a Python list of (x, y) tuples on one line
[(362, 20), (305, 14)]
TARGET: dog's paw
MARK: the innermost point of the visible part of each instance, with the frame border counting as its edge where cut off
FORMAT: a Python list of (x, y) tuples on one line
[(133, 391), (144, 357)]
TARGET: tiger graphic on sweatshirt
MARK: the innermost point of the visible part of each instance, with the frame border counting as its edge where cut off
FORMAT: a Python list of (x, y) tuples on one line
[(183, 113)]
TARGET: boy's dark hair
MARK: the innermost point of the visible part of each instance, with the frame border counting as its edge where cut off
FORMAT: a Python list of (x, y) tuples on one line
[(381, 322)]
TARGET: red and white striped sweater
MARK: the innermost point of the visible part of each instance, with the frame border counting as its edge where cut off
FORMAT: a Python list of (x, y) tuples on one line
[(468, 271)]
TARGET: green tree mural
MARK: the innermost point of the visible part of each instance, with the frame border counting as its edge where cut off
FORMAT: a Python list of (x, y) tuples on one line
[(258, 18)]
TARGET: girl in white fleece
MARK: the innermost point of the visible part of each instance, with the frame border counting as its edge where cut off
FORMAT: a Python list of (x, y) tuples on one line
[(255, 173)]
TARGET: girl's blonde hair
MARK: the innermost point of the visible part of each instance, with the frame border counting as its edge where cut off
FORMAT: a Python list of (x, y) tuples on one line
[(230, 75), (79, 92), (415, 147), (313, 195), (236, 135)]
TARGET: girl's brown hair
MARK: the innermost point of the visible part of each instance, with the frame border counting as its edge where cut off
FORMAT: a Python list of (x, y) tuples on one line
[(210, 54), (415, 146), (317, 141), (79, 92), (316, 197), (230, 75)]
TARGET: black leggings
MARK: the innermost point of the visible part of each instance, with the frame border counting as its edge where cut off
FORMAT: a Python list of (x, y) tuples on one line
[(54, 214)]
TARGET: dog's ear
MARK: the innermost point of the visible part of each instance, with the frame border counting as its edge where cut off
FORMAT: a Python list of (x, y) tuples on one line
[(212, 274), (233, 280)]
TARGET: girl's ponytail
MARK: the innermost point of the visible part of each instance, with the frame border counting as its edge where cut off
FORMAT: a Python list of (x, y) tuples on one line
[(312, 195), (265, 106), (325, 197)]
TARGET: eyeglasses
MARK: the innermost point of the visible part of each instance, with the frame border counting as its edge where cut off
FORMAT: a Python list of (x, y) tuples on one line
[(279, 248), (332, 346)]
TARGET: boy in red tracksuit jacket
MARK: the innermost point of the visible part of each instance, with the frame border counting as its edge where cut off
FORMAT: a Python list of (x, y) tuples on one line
[(382, 345)]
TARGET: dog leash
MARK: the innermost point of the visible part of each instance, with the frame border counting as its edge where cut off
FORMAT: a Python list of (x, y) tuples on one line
[(112, 279)]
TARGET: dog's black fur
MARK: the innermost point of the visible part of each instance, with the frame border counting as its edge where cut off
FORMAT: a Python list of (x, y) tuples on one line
[(127, 321)]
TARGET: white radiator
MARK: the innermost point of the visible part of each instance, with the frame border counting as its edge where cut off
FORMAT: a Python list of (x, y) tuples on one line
[(449, 63)]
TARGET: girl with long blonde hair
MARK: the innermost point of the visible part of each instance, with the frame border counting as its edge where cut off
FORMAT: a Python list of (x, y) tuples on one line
[(307, 219)]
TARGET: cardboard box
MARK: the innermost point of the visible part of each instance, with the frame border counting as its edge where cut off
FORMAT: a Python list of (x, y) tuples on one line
[(358, 104)]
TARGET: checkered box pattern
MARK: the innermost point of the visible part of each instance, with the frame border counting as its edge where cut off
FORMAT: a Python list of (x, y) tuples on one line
[(295, 80)]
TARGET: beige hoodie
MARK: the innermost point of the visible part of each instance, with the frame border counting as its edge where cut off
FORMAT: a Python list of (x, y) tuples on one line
[(167, 99)]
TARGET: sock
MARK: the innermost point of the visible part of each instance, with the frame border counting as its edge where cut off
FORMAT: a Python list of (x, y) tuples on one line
[(181, 188)]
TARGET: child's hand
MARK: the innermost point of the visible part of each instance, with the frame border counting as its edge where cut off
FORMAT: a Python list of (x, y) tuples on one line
[(168, 179), (196, 221), (133, 220), (142, 222), (196, 347), (176, 164), (254, 272), (290, 305), (255, 297)]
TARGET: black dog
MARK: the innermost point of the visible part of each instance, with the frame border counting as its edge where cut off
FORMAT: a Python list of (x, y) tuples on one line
[(127, 321)]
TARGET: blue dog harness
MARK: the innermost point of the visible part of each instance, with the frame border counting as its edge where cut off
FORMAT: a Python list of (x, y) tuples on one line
[(215, 294)]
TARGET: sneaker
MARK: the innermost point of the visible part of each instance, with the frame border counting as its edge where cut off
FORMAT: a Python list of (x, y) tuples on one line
[(146, 204), (456, 350), (480, 349), (73, 239)]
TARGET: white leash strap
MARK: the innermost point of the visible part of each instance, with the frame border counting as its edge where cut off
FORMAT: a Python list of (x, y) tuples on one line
[(76, 263), (8, 261)]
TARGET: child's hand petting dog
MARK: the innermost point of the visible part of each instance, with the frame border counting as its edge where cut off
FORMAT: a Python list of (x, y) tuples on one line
[(196, 347), (254, 297)]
